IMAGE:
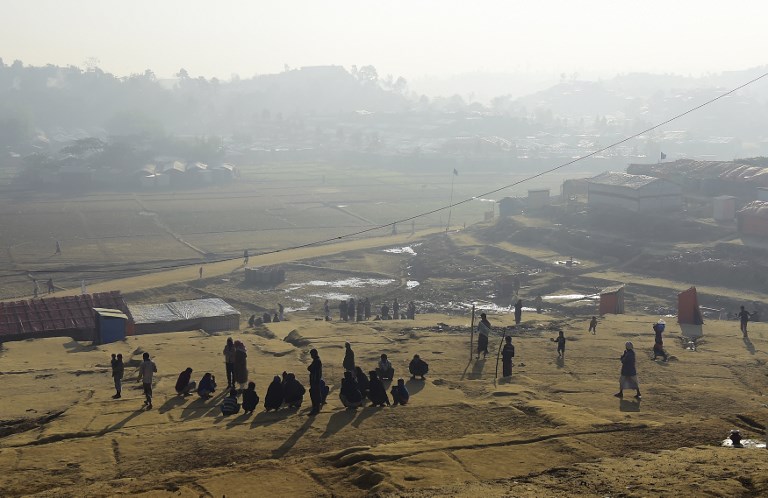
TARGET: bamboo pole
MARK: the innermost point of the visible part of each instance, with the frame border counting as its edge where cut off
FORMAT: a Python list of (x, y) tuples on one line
[(472, 334)]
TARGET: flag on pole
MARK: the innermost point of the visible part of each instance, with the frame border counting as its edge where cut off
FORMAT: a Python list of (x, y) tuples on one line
[(663, 156), (455, 172)]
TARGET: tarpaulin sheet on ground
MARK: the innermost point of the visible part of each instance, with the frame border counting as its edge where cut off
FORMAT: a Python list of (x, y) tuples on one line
[(688, 310)]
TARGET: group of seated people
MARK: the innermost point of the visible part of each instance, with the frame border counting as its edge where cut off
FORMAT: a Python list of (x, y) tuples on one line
[(185, 385), (287, 391)]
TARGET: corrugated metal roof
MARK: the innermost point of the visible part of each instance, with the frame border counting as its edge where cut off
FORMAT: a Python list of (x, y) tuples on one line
[(620, 179), (756, 208), (57, 313)]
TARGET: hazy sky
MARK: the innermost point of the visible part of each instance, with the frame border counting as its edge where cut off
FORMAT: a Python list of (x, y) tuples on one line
[(412, 38)]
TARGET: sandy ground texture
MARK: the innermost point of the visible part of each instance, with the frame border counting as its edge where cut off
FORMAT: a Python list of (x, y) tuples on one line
[(553, 429)]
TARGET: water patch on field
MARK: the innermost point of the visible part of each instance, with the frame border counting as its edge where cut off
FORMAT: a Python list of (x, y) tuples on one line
[(568, 297), (745, 443), (401, 250)]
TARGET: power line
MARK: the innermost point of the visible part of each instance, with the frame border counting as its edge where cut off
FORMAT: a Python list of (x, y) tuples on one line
[(469, 199), (528, 178)]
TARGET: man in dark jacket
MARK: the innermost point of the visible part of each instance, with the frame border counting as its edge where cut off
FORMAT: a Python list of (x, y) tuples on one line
[(315, 375)]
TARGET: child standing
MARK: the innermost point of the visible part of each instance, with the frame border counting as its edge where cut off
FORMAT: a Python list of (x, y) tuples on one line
[(560, 340), (593, 325)]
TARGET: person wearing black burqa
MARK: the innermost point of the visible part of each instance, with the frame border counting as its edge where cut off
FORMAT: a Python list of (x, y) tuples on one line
[(377, 394), (362, 381), (349, 358), (274, 397), (315, 376), (293, 391), (507, 353), (518, 311), (350, 394)]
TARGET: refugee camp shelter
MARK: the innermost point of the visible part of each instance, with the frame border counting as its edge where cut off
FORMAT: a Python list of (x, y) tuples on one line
[(688, 311), (637, 193), (268, 275), (612, 300), (111, 325), (211, 315), (510, 206), (537, 199), (724, 208), (69, 316), (752, 219)]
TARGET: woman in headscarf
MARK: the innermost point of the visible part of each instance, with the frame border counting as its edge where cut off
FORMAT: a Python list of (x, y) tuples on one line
[(349, 358), (418, 367), (350, 395), (207, 386), (293, 392), (274, 397), (628, 378), (483, 331), (241, 365), (377, 393)]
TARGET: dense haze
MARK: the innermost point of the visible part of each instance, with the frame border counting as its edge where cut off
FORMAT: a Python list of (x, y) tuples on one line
[(504, 83)]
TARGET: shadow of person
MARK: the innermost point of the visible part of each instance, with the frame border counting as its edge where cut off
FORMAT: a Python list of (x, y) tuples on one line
[(464, 373), (477, 369), (238, 420), (368, 411), (748, 344), (338, 421), (629, 405), (414, 386), (127, 419), (202, 407), (172, 403), (560, 362), (293, 439), (265, 418)]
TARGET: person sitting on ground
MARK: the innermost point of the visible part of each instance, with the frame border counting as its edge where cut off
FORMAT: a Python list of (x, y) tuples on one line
[(274, 397), (418, 367), (207, 386), (266, 317), (377, 394), (230, 406), (400, 394), (362, 382), (324, 391), (350, 394), (185, 385), (250, 398), (384, 369), (735, 437), (293, 392)]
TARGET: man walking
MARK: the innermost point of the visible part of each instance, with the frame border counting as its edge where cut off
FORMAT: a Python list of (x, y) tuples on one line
[(744, 319), (117, 374), (147, 370)]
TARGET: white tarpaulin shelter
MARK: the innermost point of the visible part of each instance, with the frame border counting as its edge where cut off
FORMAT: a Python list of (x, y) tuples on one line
[(211, 315)]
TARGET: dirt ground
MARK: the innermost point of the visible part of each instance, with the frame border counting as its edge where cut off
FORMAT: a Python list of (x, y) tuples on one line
[(554, 429)]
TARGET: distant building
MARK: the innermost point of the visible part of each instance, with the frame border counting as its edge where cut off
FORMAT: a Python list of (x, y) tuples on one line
[(537, 199), (510, 206), (724, 208), (637, 193)]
